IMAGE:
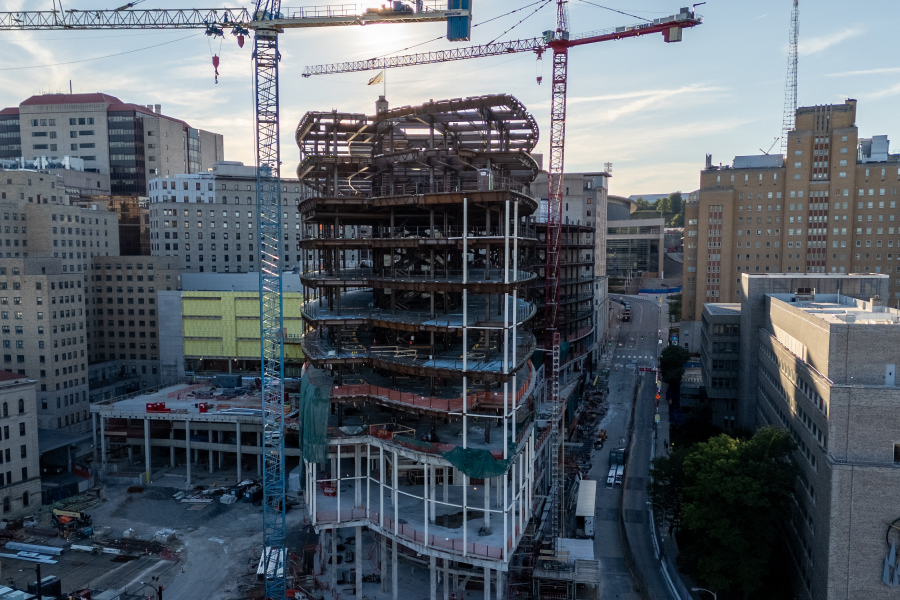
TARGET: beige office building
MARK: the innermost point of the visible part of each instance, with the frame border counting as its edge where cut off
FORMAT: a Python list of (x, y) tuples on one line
[(818, 358), (131, 143), (208, 221), (123, 322), (20, 482), (829, 206)]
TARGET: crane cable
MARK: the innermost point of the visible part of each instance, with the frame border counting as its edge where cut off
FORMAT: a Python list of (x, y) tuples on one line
[(440, 37), (522, 20), (616, 11)]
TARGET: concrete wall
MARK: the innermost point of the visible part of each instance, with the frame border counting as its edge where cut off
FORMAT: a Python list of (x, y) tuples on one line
[(171, 337)]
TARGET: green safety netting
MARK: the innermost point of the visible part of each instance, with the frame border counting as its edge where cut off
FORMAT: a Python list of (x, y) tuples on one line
[(477, 464), (313, 416)]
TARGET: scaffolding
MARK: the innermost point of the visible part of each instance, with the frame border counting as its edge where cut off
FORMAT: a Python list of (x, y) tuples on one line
[(425, 352)]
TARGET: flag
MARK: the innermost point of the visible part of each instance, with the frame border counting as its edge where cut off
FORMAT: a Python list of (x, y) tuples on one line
[(377, 79)]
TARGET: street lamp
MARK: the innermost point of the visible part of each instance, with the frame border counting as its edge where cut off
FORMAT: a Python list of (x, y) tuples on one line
[(696, 589)]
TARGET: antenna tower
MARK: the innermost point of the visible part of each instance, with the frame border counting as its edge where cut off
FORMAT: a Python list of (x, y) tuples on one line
[(790, 84)]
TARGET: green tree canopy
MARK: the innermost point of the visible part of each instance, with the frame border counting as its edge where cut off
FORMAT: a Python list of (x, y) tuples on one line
[(730, 498), (643, 204), (671, 363)]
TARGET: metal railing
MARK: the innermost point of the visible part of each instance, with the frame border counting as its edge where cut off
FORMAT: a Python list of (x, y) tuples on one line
[(519, 314), (417, 275), (476, 360), (450, 405), (424, 232), (441, 187)]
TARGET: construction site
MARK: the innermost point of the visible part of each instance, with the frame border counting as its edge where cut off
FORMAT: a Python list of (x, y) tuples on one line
[(424, 361), (424, 448)]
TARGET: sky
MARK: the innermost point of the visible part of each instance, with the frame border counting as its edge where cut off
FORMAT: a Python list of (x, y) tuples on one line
[(653, 110)]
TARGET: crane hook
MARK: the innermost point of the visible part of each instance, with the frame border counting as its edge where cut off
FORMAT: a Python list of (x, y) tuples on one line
[(215, 61)]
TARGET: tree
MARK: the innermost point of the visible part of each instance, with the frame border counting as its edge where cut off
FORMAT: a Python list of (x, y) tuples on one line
[(666, 487), (671, 363), (677, 220), (663, 206), (736, 498), (676, 204), (643, 204), (675, 306)]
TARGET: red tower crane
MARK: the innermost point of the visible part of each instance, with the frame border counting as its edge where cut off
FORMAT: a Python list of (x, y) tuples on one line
[(559, 41)]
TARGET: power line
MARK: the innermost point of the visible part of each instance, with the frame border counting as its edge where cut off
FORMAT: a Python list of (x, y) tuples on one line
[(508, 13), (72, 62)]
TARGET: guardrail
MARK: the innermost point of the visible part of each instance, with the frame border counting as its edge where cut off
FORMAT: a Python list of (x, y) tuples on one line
[(388, 395)]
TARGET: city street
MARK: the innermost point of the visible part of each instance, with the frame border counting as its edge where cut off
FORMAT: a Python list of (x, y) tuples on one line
[(635, 345)]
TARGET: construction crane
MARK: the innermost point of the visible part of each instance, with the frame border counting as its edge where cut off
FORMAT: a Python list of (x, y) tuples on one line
[(772, 145), (267, 21), (790, 83), (559, 41)]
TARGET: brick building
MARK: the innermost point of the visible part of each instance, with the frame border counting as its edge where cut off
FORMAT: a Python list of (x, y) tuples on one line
[(829, 206)]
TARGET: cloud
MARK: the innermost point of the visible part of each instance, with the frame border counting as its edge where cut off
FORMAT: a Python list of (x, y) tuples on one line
[(865, 72), (759, 17), (812, 45), (885, 93)]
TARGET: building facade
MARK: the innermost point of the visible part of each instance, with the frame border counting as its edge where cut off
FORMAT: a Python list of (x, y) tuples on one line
[(129, 142), (43, 335), (829, 206), (208, 220), (824, 354), (720, 351), (20, 481), (123, 331), (585, 285)]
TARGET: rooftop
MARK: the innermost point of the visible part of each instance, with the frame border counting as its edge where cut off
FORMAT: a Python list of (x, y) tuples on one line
[(725, 309), (838, 309), (8, 377)]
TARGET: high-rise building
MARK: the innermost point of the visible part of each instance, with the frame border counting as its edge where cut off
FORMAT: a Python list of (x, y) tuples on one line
[(123, 322), (20, 477), (43, 335), (829, 206), (129, 142), (208, 220), (584, 314), (818, 357), (48, 246)]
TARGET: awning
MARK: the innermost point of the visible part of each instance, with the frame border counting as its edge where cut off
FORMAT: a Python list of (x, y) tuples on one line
[(52, 439)]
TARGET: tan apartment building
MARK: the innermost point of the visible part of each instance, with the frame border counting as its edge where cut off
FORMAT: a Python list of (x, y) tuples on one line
[(829, 206), (42, 331), (131, 143), (818, 358), (123, 322), (208, 220), (20, 482)]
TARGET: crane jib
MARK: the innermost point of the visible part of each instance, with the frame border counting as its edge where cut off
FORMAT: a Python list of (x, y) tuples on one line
[(458, 20)]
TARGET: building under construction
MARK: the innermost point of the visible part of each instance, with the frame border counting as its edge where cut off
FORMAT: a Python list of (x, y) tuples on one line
[(421, 360)]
